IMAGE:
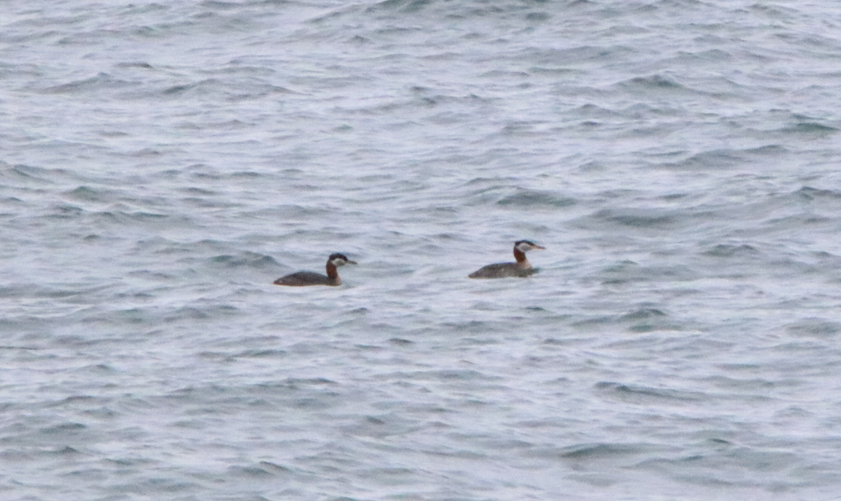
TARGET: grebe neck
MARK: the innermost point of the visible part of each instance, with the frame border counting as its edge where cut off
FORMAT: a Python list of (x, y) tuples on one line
[(520, 256), (333, 273)]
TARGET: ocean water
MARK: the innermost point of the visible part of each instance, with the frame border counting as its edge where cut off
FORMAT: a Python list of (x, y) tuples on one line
[(161, 163)]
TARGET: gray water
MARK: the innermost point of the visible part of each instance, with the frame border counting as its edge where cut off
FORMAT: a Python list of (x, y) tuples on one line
[(162, 163)]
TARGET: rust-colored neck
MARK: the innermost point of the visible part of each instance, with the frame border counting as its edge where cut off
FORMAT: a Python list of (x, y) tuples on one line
[(520, 256), (333, 273)]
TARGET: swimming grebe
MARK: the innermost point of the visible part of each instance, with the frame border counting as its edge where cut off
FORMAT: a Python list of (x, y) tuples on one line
[(302, 278), (522, 268)]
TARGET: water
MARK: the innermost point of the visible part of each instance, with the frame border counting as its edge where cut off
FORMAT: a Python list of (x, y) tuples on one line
[(163, 163)]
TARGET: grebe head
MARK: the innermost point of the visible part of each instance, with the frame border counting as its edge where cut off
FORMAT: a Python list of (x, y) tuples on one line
[(339, 260), (525, 246)]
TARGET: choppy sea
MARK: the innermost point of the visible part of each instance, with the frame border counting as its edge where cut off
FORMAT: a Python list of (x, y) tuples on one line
[(161, 163)]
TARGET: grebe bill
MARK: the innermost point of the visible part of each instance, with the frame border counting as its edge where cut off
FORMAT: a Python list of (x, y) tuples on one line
[(522, 268), (304, 278)]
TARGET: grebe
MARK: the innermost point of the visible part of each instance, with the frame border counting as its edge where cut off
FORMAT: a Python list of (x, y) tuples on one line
[(302, 278), (522, 268)]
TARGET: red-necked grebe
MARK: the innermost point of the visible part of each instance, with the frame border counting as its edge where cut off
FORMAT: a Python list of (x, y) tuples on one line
[(302, 278), (522, 268)]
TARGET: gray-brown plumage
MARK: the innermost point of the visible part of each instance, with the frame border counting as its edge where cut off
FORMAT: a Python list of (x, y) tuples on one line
[(521, 268), (304, 278)]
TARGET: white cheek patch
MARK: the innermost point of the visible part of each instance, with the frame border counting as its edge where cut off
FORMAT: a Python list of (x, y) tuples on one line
[(524, 247), (338, 262)]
